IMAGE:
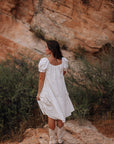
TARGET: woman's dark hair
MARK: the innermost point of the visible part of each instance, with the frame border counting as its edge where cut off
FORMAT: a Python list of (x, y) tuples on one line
[(55, 48)]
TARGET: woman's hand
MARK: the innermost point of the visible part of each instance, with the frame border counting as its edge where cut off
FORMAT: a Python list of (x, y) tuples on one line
[(64, 72), (37, 97)]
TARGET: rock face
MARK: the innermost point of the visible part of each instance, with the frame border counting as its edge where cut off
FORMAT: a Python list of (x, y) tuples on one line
[(72, 22), (74, 134), (10, 47), (89, 25)]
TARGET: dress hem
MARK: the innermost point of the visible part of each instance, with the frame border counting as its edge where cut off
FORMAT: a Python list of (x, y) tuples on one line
[(58, 118)]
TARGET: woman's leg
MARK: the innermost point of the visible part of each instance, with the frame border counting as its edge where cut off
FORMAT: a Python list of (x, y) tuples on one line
[(52, 132), (51, 123), (60, 123)]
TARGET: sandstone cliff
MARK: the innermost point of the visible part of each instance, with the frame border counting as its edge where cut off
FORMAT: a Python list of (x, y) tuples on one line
[(72, 22)]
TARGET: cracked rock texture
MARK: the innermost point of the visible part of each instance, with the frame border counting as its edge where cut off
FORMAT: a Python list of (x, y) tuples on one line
[(71, 22)]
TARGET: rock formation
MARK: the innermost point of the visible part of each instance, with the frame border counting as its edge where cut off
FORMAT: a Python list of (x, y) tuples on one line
[(75, 133), (71, 22)]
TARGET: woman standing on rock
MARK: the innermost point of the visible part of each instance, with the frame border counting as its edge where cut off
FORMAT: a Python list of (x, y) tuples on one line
[(52, 96)]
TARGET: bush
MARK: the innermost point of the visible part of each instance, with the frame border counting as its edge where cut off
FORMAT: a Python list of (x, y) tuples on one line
[(92, 90), (63, 45), (38, 33), (85, 2), (18, 89), (79, 52)]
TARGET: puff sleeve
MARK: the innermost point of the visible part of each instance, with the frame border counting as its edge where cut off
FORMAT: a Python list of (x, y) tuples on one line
[(42, 66), (65, 64)]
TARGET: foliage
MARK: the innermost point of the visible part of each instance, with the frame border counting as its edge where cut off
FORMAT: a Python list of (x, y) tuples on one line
[(79, 52), (92, 90), (18, 89), (62, 44), (85, 1), (56, 0), (38, 33), (40, 8)]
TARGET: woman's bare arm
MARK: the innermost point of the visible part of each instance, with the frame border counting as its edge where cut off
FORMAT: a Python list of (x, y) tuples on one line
[(41, 83)]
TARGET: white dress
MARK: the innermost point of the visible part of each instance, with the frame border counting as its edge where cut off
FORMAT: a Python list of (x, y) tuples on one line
[(54, 98)]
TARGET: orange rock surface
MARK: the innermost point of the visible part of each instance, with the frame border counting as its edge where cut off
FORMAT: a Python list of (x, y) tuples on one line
[(71, 22), (75, 133)]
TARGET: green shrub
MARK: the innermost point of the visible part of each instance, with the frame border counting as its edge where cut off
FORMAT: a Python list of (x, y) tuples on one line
[(38, 33), (18, 89), (92, 91), (63, 44), (85, 1), (40, 8), (79, 52)]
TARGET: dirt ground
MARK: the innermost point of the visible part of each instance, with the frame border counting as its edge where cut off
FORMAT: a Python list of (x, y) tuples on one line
[(106, 127)]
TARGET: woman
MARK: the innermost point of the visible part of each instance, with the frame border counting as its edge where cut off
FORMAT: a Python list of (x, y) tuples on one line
[(52, 96)]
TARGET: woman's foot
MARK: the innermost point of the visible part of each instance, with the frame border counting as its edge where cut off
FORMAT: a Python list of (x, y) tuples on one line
[(60, 133), (52, 131), (52, 136)]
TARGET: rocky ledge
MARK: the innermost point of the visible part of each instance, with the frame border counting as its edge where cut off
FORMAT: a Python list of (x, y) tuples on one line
[(75, 133)]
